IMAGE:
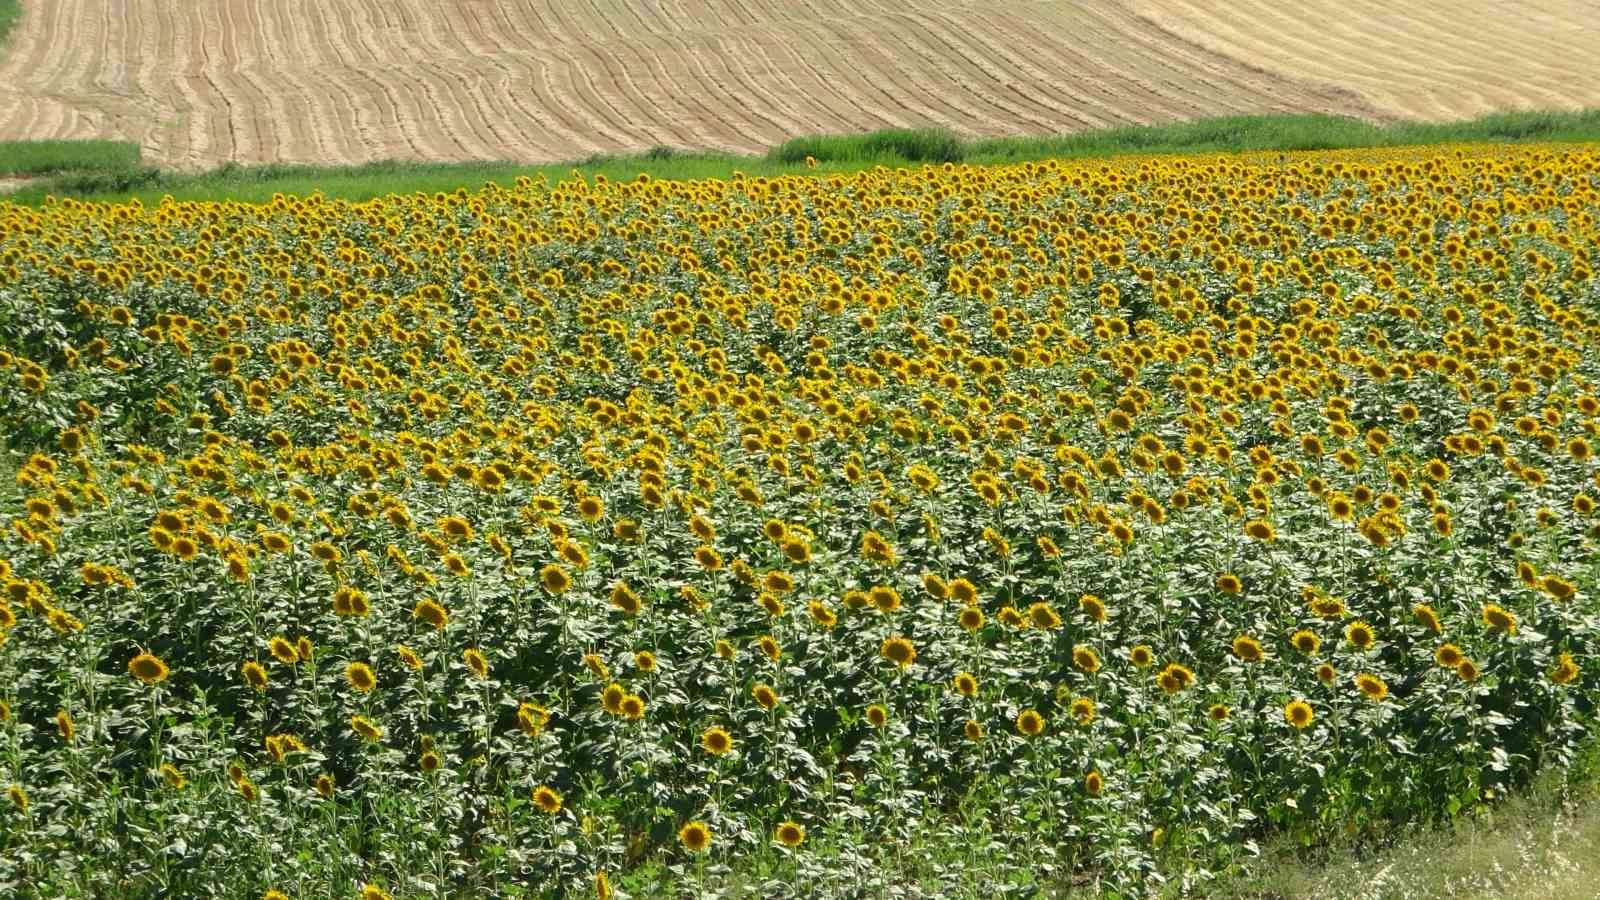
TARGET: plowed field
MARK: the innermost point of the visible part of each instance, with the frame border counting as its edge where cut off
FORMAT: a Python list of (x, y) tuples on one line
[(304, 81)]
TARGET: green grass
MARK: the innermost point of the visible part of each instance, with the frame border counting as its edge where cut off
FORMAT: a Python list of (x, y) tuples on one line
[(10, 12), (1540, 844), (50, 157), (116, 176)]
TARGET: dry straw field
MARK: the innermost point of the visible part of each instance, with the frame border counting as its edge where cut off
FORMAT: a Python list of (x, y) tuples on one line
[(305, 81)]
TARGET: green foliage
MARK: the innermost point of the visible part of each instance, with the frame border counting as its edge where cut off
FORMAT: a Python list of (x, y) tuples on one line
[(120, 179), (115, 158), (10, 12), (926, 145)]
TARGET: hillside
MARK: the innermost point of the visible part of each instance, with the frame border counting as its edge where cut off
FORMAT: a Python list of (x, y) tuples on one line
[(301, 81)]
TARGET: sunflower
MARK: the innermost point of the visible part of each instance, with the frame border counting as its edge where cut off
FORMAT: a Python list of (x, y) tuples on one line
[(547, 799), (1499, 618), (408, 657), (1360, 635), (632, 706), (972, 730), (1086, 659), (1093, 607), (1218, 712), (532, 718), (1467, 670), (1043, 615), (431, 613), (1298, 713), (254, 674), (878, 715), (1326, 673), (1094, 783), (65, 726), (282, 650), (885, 599), (1566, 670), (174, 778), (708, 558), (1229, 583), (1175, 678), (1371, 686), (1305, 641), (716, 740), (765, 696), (790, 834), (899, 651), (1248, 649), (1082, 710), (695, 837), (1142, 656), (821, 614), (1448, 656), (970, 618), (964, 592), (476, 662), (366, 728), (555, 579), (1029, 723), (360, 676), (591, 508), (148, 668), (625, 598), (769, 647), (1260, 530), (1426, 617), (965, 684), (602, 885)]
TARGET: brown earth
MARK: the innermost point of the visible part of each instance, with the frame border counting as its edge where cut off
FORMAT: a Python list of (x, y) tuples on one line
[(199, 83)]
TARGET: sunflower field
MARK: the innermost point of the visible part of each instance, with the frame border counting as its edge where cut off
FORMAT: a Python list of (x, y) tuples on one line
[(1095, 520)]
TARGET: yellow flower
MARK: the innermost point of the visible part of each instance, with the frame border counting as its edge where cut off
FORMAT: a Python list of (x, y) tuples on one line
[(764, 695), (1175, 678), (282, 650), (1044, 616), (556, 580), (1094, 783), (148, 668), (1086, 659), (366, 728), (790, 834), (431, 613), (360, 676), (1499, 618), (695, 837), (1566, 670), (899, 651), (716, 740), (546, 798), (254, 675), (1248, 649), (965, 684), (1029, 723), (1371, 686), (1298, 713)]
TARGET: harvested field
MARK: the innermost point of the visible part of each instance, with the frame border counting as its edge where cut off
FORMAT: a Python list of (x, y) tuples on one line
[(304, 81)]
